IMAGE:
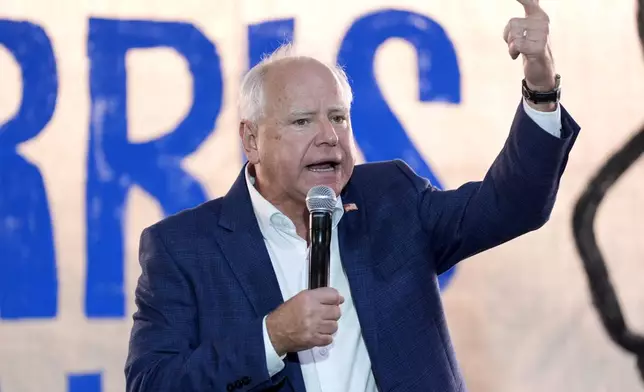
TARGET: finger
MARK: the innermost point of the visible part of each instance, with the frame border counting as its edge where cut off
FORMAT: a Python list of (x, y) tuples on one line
[(327, 327), (331, 312), (522, 45), (513, 49), (533, 9), (515, 28), (506, 33), (519, 26), (530, 6), (513, 34), (329, 296), (523, 35), (322, 340)]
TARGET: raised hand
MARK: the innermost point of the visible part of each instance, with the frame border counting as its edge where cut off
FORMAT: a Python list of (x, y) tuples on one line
[(528, 36)]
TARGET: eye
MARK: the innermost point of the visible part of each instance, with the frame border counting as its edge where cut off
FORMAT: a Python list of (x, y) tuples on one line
[(300, 122), (339, 118)]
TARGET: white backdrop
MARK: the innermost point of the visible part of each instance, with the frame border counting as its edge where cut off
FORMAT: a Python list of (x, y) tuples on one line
[(520, 315)]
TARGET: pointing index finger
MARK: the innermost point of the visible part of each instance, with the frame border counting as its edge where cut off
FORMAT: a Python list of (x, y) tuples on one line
[(531, 7)]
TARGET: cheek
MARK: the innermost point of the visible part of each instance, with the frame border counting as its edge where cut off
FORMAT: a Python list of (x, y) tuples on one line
[(348, 148), (284, 153), (290, 159)]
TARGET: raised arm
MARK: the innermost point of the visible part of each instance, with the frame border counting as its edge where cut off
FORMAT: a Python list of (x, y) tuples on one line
[(516, 196)]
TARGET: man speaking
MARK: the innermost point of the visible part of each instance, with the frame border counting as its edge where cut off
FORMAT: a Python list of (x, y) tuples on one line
[(223, 300)]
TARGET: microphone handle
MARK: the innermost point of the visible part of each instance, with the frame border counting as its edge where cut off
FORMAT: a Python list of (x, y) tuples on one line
[(320, 251)]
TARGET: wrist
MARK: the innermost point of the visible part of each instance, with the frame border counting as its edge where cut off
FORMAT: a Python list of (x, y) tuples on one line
[(542, 87), (274, 336), (543, 96)]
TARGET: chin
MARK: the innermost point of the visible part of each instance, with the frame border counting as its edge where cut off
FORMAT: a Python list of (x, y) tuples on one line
[(332, 183)]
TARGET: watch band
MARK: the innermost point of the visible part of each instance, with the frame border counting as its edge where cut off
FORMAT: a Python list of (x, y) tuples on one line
[(553, 95)]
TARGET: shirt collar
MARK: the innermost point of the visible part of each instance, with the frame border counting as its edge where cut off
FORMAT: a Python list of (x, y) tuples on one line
[(269, 216)]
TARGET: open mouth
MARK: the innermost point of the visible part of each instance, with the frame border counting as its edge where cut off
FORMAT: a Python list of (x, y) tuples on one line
[(324, 166)]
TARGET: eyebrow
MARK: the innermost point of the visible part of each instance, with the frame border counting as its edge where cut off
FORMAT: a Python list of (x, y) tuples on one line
[(333, 109), (306, 113)]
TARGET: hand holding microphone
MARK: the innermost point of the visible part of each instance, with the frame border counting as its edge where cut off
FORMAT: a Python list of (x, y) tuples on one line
[(307, 320), (310, 318)]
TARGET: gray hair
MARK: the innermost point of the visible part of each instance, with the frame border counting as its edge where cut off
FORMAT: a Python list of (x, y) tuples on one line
[(251, 95)]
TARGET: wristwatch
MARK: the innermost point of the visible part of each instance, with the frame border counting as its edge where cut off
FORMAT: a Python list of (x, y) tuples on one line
[(543, 96)]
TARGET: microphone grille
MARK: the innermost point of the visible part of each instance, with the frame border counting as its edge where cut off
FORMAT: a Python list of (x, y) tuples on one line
[(320, 198)]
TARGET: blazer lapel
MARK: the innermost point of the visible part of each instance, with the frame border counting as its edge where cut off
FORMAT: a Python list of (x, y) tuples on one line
[(353, 236), (242, 244)]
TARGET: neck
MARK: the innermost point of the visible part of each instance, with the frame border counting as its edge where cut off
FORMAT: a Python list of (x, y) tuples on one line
[(297, 213), (295, 210)]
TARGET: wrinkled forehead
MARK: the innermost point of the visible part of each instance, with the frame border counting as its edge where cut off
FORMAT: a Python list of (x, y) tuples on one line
[(301, 85)]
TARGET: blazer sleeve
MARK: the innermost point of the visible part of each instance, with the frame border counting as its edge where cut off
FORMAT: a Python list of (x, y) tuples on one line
[(516, 195), (166, 353)]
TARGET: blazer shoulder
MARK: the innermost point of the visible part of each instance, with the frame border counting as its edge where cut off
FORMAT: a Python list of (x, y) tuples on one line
[(190, 221), (390, 174)]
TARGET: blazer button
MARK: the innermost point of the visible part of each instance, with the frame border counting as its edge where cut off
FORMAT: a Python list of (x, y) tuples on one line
[(238, 384), (246, 380), (230, 387)]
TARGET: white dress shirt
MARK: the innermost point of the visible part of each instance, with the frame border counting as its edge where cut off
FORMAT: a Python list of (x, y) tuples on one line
[(344, 365)]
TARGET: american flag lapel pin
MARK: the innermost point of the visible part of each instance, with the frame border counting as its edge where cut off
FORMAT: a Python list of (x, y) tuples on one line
[(350, 207)]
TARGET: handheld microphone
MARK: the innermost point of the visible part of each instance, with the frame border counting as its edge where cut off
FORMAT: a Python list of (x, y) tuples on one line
[(320, 202)]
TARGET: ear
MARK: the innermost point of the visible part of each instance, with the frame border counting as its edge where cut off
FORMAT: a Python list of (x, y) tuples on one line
[(248, 136)]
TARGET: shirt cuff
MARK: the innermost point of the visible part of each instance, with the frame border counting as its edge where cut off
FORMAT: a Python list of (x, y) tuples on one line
[(274, 363), (548, 121)]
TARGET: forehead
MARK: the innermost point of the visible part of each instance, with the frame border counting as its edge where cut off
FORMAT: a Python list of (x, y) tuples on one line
[(301, 84)]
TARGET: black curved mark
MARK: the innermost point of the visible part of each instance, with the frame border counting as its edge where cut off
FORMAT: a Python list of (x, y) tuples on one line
[(602, 291)]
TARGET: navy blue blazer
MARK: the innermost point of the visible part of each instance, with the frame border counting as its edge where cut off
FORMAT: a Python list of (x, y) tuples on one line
[(207, 279)]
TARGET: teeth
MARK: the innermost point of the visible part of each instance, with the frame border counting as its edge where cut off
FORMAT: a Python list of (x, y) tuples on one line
[(322, 167), (317, 169)]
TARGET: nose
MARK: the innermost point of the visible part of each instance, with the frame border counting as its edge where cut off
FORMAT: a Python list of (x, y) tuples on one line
[(327, 134)]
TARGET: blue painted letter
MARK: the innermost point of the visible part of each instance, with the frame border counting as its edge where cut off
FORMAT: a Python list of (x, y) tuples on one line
[(28, 282), (377, 130), (84, 382), (115, 164), (265, 37)]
